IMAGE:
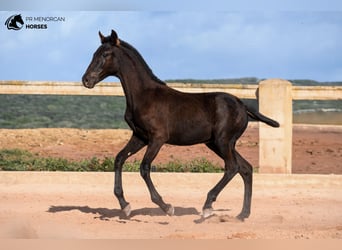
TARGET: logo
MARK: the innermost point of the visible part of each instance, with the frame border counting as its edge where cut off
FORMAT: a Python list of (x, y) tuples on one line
[(14, 22)]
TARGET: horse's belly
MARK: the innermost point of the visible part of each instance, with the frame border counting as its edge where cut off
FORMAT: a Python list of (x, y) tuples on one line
[(189, 136)]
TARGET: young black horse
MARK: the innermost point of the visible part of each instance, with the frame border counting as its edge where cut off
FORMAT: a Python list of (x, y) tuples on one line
[(158, 114)]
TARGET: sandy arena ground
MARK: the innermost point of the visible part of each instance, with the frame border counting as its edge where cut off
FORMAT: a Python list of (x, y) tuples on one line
[(81, 205)]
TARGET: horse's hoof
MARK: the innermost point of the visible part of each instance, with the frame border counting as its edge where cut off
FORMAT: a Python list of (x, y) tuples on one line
[(242, 216), (207, 212), (170, 210), (127, 210)]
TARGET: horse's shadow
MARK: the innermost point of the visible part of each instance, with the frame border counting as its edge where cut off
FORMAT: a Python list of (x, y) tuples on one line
[(106, 214)]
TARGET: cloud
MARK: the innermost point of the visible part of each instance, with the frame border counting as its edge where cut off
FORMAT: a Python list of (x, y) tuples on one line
[(182, 44)]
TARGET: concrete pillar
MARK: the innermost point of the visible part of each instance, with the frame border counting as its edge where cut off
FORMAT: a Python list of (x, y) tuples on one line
[(275, 150)]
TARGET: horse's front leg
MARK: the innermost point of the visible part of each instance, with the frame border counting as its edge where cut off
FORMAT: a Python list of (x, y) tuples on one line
[(133, 146), (145, 169)]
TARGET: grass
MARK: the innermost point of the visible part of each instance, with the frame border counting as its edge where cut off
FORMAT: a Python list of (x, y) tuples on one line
[(54, 111), (22, 160)]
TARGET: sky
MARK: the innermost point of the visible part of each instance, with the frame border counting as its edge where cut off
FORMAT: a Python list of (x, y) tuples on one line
[(179, 44)]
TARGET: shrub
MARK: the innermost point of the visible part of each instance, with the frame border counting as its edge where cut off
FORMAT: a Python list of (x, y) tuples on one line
[(21, 160)]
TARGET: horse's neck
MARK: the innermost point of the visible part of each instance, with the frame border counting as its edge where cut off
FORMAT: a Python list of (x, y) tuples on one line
[(135, 82)]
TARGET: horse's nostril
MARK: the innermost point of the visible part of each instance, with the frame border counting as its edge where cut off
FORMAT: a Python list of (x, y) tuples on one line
[(85, 81)]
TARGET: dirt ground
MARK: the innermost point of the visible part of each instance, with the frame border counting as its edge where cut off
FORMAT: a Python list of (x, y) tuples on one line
[(316, 149), (60, 205)]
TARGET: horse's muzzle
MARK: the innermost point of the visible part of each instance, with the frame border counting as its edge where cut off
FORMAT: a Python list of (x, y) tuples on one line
[(87, 82)]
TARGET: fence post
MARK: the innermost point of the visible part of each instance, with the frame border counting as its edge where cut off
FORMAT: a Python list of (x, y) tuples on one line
[(275, 150)]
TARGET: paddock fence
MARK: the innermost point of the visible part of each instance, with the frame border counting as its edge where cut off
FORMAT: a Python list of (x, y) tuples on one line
[(275, 98)]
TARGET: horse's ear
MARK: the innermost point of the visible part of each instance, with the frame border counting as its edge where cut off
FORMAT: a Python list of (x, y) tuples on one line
[(102, 38), (114, 38)]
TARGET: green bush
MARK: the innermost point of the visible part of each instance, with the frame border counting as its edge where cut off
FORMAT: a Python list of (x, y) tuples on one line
[(21, 160)]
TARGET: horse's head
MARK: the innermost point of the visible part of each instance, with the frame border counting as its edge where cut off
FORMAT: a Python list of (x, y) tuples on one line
[(19, 19), (104, 62)]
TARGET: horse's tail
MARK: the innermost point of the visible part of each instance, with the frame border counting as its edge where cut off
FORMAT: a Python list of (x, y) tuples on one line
[(255, 115)]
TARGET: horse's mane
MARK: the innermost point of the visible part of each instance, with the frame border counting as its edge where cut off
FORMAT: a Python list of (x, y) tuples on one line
[(141, 59)]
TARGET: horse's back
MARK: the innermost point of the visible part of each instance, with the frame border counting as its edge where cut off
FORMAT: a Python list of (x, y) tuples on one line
[(199, 117)]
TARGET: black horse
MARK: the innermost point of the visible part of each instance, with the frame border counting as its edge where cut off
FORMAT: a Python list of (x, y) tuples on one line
[(12, 22), (158, 114)]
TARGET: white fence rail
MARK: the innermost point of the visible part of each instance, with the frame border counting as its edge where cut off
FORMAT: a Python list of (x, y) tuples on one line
[(275, 100), (115, 89)]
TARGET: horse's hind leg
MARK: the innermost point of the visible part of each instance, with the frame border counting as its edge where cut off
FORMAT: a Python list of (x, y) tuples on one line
[(231, 169), (133, 146), (213, 193), (246, 172)]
